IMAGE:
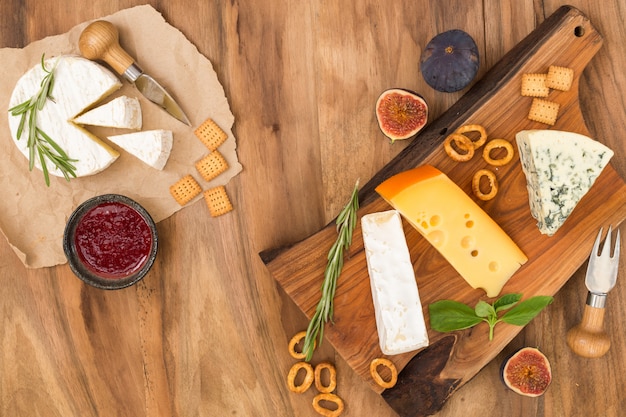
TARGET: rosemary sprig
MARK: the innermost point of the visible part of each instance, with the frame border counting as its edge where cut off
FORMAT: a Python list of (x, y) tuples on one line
[(38, 141), (346, 222)]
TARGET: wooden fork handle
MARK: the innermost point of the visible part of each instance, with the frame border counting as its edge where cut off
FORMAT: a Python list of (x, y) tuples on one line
[(589, 339)]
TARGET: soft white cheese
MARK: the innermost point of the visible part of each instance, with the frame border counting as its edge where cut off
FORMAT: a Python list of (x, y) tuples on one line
[(78, 84), (398, 309), (560, 168), (152, 146), (122, 112)]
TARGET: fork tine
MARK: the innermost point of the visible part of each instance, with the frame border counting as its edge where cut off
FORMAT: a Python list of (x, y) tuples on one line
[(606, 247), (596, 245), (617, 245)]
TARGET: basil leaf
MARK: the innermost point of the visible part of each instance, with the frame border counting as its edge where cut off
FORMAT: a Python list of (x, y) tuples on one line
[(449, 315), (506, 301), (484, 309), (524, 312)]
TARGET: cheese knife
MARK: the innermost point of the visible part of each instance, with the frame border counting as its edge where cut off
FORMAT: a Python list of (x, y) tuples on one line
[(100, 41), (588, 339)]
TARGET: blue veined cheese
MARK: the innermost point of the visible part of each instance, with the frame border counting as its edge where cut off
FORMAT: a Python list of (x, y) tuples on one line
[(560, 168), (122, 113), (153, 147), (397, 306), (78, 84)]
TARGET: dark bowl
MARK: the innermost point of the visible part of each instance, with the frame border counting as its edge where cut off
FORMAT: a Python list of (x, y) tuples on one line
[(87, 267)]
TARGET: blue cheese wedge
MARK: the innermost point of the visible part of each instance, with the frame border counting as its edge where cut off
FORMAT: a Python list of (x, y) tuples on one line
[(153, 147), (560, 168), (122, 113), (78, 84), (397, 306)]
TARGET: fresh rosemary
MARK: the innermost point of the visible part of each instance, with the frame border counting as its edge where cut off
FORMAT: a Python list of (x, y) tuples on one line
[(346, 222), (38, 141)]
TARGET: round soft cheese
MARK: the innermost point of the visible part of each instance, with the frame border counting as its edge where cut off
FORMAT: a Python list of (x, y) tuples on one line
[(78, 84)]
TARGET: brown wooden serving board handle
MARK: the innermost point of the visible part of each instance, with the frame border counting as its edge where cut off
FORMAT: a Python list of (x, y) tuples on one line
[(430, 376)]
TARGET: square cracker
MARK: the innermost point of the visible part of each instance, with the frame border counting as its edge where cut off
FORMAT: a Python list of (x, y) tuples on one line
[(210, 134), (534, 85), (217, 200), (543, 111), (212, 165), (559, 78), (185, 189)]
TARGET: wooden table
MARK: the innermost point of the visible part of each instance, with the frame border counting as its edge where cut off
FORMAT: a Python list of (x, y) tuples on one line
[(206, 332)]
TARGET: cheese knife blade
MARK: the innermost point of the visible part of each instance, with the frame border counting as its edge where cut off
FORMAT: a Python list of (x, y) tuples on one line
[(100, 41)]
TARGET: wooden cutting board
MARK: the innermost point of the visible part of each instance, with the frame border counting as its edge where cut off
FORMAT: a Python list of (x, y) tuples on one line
[(430, 376)]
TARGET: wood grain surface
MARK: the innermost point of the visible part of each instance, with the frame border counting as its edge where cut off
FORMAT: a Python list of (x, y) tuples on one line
[(206, 332)]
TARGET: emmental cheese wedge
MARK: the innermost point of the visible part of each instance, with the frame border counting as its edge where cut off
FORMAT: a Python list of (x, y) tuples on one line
[(152, 147), (122, 113), (471, 241), (560, 168), (79, 83), (397, 306)]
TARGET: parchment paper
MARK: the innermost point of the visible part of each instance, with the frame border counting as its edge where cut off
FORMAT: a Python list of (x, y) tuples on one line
[(32, 215)]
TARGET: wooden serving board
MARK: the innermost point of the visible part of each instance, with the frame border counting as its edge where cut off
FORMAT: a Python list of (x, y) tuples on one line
[(430, 376)]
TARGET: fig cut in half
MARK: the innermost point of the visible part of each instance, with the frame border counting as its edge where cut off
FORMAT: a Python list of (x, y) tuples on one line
[(401, 113), (450, 61), (527, 372)]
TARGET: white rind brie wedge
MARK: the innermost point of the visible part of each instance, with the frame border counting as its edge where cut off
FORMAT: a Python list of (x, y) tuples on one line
[(397, 306), (78, 84), (122, 113), (560, 168), (153, 147)]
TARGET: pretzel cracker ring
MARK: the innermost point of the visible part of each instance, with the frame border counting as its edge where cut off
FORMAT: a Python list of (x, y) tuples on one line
[(463, 143), (494, 144), (294, 341), (493, 184), (327, 412), (376, 375), (306, 382), (474, 128), (332, 377)]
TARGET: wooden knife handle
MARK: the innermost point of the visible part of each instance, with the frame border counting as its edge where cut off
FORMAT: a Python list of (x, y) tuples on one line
[(588, 339), (100, 41)]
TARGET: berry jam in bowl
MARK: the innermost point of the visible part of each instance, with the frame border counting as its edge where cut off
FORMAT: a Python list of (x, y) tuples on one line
[(110, 241)]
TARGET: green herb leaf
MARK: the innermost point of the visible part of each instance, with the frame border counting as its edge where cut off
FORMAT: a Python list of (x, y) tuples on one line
[(524, 312), (450, 315), (39, 144), (506, 301), (346, 222), (484, 309)]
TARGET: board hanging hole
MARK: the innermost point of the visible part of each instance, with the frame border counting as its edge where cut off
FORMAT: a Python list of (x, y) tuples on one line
[(579, 31)]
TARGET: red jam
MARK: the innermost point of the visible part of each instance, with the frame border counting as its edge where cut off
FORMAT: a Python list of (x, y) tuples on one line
[(113, 240)]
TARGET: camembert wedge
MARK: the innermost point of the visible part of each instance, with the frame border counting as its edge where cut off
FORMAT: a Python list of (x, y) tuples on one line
[(79, 83), (397, 306), (471, 241), (122, 113), (560, 168), (153, 147)]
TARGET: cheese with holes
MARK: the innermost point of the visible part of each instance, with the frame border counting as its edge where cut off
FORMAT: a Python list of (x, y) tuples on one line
[(122, 112), (153, 147), (397, 306), (467, 237), (560, 168), (78, 84)]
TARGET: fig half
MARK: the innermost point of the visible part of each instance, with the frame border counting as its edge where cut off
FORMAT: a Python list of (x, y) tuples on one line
[(450, 61), (401, 113), (527, 372)]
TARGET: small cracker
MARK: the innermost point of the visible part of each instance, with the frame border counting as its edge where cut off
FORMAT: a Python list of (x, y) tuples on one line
[(534, 85), (544, 111), (560, 78), (210, 134), (217, 200), (212, 165), (185, 189)]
